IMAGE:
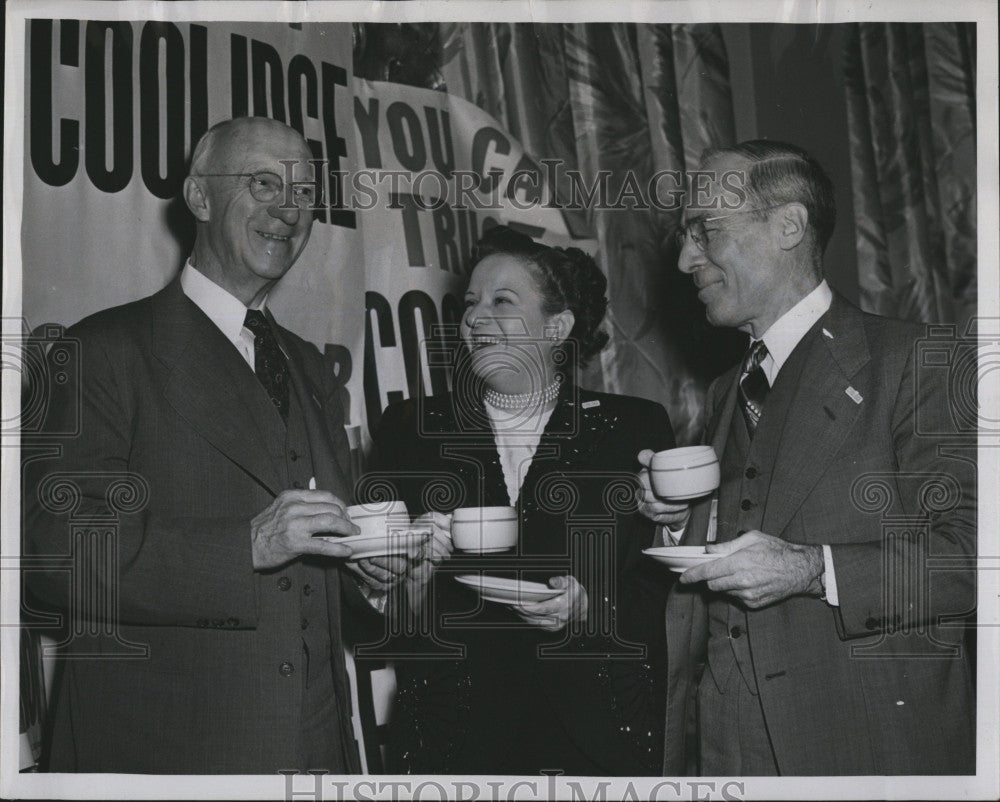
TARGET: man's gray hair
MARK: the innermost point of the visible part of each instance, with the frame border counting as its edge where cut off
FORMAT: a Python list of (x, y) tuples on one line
[(779, 173)]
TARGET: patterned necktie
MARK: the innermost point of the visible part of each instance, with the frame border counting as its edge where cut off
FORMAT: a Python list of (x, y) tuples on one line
[(753, 385), (269, 362)]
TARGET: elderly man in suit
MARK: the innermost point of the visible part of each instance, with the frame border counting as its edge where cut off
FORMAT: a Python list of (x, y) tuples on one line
[(221, 628), (821, 627)]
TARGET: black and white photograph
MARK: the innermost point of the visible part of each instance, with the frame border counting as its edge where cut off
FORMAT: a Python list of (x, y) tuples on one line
[(543, 400)]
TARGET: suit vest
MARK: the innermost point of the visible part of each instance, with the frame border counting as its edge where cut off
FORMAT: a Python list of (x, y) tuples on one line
[(294, 602), (746, 467)]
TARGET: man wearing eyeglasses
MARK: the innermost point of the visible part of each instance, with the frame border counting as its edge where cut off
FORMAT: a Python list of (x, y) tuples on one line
[(231, 431), (820, 624)]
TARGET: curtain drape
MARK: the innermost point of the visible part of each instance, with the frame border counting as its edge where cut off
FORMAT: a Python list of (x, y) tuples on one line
[(912, 119), (613, 102)]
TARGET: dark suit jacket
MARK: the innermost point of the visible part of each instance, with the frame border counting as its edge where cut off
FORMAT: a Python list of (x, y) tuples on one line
[(186, 675), (440, 454), (880, 684)]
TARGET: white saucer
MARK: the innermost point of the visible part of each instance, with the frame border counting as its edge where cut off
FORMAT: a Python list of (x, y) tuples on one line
[(382, 545), (680, 558), (507, 591)]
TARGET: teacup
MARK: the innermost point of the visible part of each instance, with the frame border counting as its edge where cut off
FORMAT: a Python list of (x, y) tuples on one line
[(381, 518), (484, 530), (679, 474)]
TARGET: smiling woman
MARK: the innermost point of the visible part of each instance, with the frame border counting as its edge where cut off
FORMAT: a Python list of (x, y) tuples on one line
[(570, 679)]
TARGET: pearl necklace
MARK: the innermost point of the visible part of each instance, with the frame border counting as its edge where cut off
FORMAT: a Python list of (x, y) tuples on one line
[(522, 400)]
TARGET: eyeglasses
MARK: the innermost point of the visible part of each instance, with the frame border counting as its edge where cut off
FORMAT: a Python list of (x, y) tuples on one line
[(267, 187), (696, 228)]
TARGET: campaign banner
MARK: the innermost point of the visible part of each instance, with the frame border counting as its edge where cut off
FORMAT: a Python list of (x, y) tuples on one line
[(112, 111)]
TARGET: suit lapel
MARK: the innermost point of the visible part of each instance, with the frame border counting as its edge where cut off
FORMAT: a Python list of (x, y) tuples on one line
[(822, 408), (209, 385)]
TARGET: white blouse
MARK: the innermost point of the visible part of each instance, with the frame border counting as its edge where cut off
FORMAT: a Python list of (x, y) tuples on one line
[(517, 434)]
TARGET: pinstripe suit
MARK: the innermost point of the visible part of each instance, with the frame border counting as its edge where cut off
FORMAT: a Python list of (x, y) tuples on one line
[(206, 666), (876, 685)]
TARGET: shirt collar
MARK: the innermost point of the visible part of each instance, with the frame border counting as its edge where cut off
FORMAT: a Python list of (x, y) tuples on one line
[(226, 311), (789, 329)]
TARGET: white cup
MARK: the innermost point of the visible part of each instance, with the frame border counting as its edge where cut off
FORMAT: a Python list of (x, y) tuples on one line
[(380, 519), (484, 530), (679, 474)]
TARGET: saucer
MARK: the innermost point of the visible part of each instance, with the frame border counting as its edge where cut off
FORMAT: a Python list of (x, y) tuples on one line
[(680, 558), (364, 547), (507, 591)]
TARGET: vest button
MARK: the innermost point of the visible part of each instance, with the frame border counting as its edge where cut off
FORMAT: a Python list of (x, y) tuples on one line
[(297, 484), (750, 473), (746, 504), (286, 669), (307, 590), (284, 583), (305, 623), (292, 454), (735, 632)]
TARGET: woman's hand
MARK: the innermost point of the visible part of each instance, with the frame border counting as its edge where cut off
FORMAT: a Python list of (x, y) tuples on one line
[(435, 550), (554, 614)]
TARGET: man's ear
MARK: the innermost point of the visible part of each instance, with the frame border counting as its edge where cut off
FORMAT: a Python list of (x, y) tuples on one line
[(560, 325), (196, 199), (793, 220)]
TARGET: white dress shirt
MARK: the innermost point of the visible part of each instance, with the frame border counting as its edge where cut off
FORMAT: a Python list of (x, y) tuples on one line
[(226, 311)]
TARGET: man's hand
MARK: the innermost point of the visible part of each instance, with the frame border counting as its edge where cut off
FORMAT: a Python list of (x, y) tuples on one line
[(285, 529), (381, 573), (384, 573), (759, 569), (554, 614), (671, 514)]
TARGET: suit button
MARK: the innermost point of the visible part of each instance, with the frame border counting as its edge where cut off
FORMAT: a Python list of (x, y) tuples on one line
[(746, 504), (297, 484), (292, 454), (735, 632), (233, 622), (286, 669), (307, 590), (284, 583), (750, 473), (871, 623), (305, 623)]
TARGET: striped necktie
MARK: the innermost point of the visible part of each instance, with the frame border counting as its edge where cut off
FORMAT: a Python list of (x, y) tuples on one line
[(753, 385), (270, 364)]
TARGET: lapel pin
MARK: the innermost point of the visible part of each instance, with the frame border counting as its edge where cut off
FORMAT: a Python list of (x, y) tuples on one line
[(854, 395), (590, 404), (826, 333)]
